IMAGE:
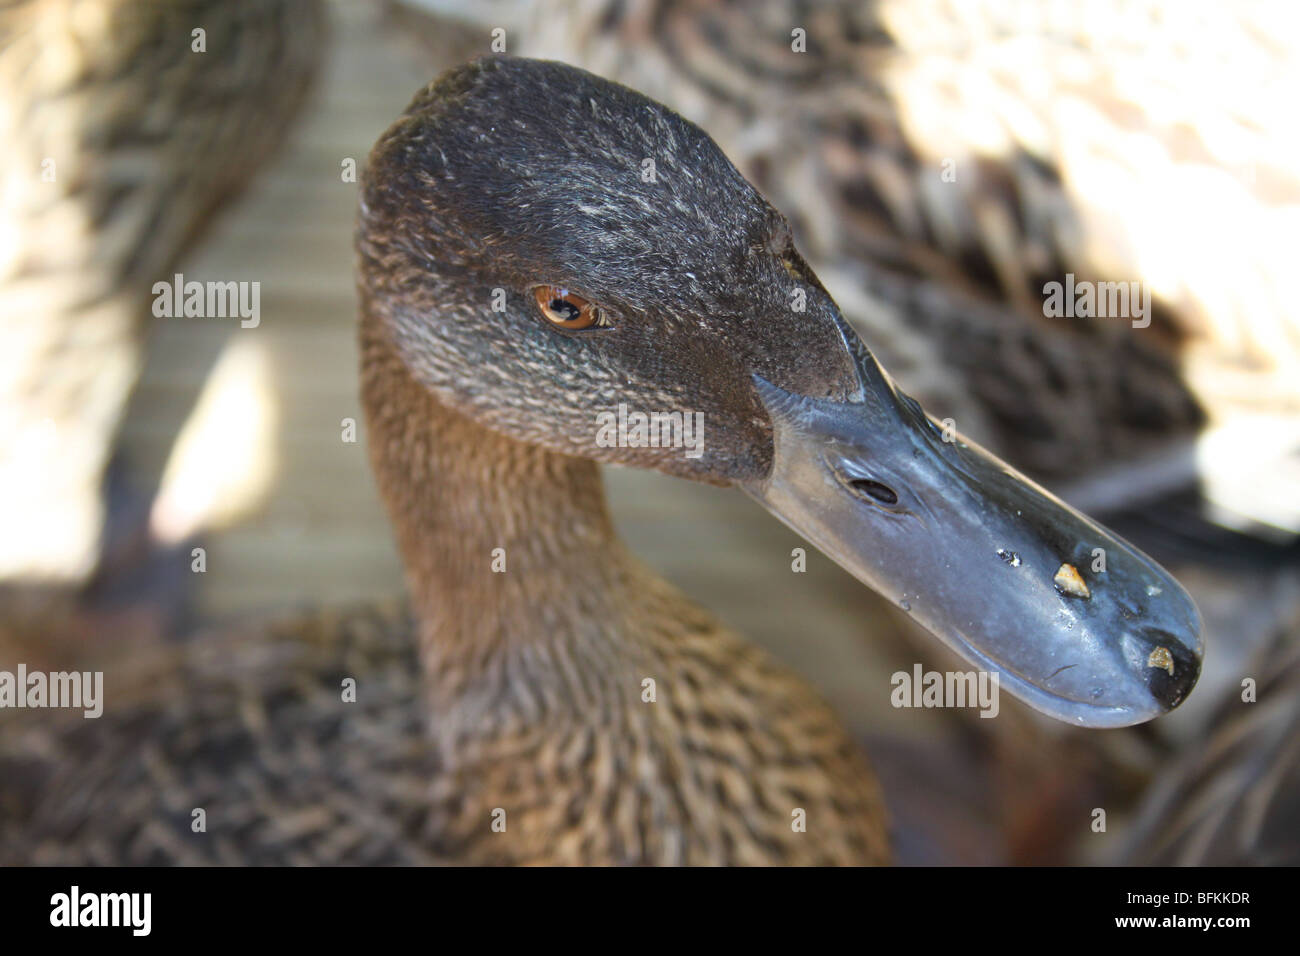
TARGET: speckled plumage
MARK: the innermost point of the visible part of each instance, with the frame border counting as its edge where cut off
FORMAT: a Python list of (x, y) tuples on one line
[(250, 726), (534, 676)]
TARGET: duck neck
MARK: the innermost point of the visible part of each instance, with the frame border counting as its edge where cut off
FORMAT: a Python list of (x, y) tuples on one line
[(509, 550)]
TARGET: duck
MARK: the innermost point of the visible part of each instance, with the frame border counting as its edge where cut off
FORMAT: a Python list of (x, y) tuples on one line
[(537, 245), (129, 126), (943, 165)]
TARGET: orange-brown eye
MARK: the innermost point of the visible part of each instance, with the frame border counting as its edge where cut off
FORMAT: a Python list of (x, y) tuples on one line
[(567, 311)]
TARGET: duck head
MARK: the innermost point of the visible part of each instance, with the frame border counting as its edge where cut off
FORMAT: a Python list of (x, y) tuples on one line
[(543, 248)]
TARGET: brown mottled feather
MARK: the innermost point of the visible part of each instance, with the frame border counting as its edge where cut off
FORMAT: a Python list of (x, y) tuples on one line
[(534, 676)]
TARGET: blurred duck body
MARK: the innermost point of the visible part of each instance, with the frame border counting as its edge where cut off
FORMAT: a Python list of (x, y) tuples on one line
[(127, 124)]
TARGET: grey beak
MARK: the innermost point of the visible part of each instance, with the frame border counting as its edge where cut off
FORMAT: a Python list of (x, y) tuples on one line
[(1078, 623)]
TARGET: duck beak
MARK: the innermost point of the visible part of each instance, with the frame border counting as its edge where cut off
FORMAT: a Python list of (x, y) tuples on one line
[(1076, 622)]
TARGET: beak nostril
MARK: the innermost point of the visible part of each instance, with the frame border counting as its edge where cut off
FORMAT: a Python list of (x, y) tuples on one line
[(874, 490)]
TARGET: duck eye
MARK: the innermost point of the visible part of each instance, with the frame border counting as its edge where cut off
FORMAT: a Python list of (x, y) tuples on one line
[(568, 311)]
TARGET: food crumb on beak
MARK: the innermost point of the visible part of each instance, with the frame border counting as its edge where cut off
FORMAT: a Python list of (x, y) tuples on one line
[(1161, 658), (1068, 581)]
